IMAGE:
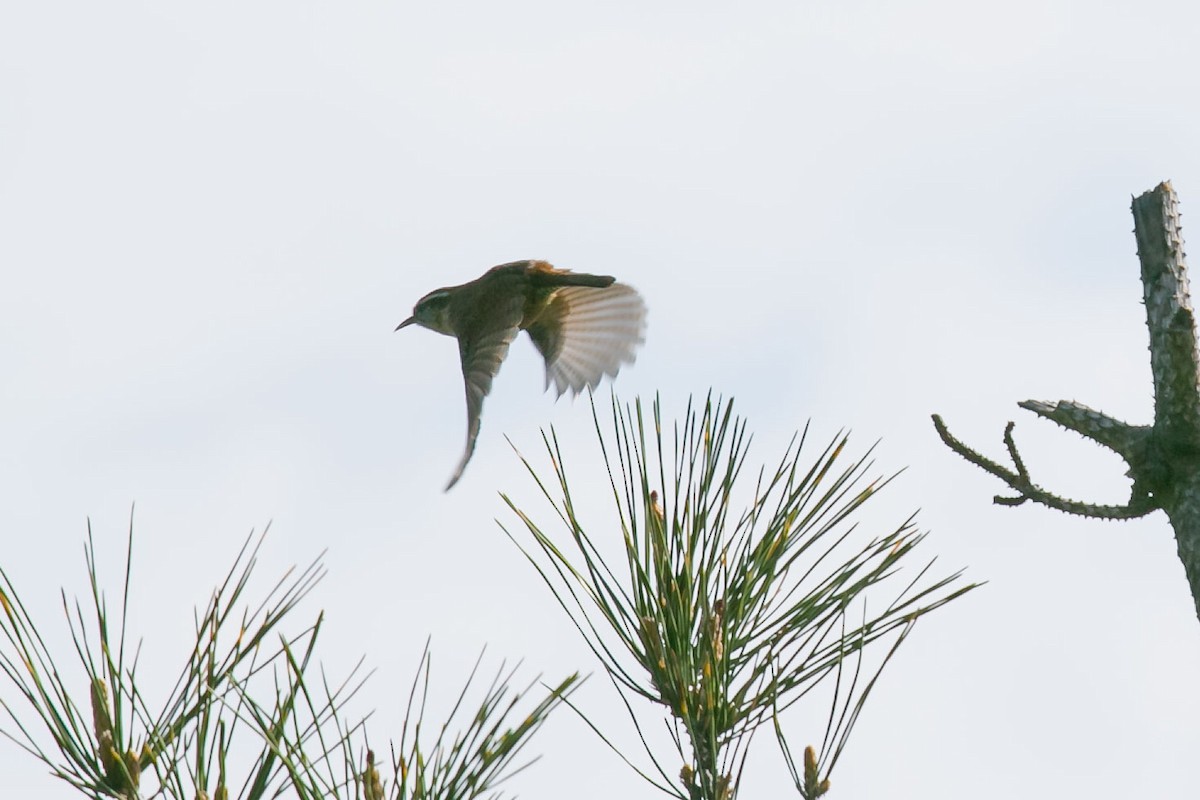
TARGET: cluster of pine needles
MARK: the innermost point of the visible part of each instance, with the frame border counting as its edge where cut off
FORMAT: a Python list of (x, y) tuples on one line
[(734, 594), (719, 595)]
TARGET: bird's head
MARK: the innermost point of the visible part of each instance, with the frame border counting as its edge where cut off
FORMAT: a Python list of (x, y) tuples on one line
[(432, 311)]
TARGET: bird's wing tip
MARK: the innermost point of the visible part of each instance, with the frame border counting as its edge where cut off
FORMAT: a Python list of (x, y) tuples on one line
[(457, 474)]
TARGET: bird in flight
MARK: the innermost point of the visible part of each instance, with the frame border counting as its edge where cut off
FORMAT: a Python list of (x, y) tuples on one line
[(585, 327)]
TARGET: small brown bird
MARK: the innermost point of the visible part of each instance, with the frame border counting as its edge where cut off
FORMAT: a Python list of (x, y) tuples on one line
[(585, 327)]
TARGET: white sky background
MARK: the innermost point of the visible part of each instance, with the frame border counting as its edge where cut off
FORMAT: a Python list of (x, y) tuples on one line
[(212, 217)]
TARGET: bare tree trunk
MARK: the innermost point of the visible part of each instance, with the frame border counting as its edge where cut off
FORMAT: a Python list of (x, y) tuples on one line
[(1163, 459), (1174, 478)]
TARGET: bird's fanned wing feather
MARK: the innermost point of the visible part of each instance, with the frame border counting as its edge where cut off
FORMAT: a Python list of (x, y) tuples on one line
[(588, 333)]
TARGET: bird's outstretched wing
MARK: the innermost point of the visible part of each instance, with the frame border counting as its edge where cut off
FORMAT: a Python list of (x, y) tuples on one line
[(482, 349), (587, 333)]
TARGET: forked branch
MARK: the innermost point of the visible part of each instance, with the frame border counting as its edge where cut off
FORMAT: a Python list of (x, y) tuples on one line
[(1020, 482)]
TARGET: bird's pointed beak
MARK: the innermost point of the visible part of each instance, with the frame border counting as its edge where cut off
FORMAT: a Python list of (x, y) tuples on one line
[(406, 323)]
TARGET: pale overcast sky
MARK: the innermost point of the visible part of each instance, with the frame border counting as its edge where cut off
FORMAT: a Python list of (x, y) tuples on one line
[(212, 215)]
